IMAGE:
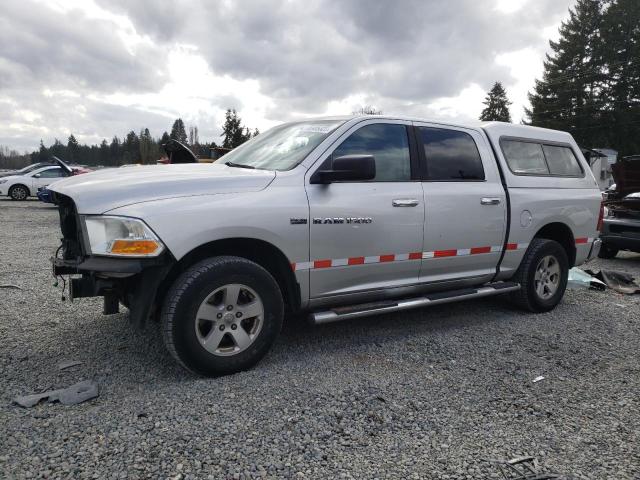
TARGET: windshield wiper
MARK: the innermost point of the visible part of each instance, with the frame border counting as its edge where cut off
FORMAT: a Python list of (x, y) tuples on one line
[(231, 164)]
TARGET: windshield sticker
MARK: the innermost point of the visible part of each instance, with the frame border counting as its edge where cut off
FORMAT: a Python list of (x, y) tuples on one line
[(316, 128)]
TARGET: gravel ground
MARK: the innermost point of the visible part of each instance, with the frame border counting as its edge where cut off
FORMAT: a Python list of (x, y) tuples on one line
[(424, 394)]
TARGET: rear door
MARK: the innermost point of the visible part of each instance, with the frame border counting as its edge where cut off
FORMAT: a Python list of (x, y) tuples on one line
[(465, 214), (367, 235)]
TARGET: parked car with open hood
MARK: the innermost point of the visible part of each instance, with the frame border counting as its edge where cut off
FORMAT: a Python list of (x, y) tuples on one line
[(335, 217), (621, 224), (178, 152), (26, 184)]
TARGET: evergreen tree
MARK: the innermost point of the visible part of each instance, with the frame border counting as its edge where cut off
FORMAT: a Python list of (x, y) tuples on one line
[(620, 95), (57, 149), (43, 153), (233, 132), (165, 138), (178, 131), (567, 96), (115, 150), (131, 148), (497, 105), (103, 153), (146, 147), (72, 149)]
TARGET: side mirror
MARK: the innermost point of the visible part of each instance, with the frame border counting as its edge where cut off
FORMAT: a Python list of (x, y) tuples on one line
[(352, 168), (37, 175)]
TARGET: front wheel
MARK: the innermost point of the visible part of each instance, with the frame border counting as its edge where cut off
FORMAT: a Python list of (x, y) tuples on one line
[(19, 192), (542, 275), (222, 315)]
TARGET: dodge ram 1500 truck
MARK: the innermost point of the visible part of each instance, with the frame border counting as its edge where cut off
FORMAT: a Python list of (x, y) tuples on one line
[(337, 217)]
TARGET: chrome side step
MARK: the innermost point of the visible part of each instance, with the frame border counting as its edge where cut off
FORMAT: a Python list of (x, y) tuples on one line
[(377, 308)]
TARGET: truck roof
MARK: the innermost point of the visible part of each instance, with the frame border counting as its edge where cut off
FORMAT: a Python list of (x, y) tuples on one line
[(493, 129)]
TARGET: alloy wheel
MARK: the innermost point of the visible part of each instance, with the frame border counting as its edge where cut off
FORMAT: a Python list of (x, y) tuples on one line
[(229, 319), (547, 277), (19, 193)]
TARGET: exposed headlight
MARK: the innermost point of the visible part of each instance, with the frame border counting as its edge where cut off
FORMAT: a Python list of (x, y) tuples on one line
[(605, 212), (3, 180), (121, 237)]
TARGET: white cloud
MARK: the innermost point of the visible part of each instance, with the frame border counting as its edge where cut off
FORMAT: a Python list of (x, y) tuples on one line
[(525, 66), (100, 68), (510, 6)]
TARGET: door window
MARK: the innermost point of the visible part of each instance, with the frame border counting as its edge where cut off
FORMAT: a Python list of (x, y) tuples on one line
[(389, 145), (451, 155), (52, 173)]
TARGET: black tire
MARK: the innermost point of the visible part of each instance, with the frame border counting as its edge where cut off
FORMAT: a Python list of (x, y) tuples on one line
[(19, 192), (527, 297), (187, 293), (607, 251)]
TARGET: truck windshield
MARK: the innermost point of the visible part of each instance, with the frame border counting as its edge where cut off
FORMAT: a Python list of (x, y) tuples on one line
[(282, 147)]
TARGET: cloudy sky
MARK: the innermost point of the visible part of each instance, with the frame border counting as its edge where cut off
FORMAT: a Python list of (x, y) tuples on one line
[(98, 68)]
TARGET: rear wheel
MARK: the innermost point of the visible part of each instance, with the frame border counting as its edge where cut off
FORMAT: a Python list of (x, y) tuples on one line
[(222, 315), (543, 275), (607, 251), (19, 192)]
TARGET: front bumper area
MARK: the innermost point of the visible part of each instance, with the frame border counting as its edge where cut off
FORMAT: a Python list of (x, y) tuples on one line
[(132, 282), (621, 233)]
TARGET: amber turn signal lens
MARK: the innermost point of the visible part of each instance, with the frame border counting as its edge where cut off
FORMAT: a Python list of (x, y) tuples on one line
[(134, 247)]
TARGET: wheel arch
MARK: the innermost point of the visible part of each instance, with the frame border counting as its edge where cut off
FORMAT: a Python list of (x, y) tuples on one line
[(265, 254), (561, 233), (19, 185)]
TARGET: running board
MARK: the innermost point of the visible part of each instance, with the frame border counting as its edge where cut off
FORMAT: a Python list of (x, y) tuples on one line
[(377, 308)]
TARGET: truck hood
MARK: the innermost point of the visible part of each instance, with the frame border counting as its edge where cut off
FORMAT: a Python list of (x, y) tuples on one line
[(104, 190)]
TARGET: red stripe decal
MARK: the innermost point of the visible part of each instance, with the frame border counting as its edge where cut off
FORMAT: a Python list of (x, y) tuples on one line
[(581, 240), (512, 246), (356, 261), (387, 258), (476, 250), (415, 256), (322, 264), (445, 253)]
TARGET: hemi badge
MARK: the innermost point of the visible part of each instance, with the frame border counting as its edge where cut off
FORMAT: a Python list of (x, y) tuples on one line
[(298, 221)]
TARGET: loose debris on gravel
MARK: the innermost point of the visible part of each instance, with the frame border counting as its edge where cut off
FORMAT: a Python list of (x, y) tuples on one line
[(423, 394), (77, 393)]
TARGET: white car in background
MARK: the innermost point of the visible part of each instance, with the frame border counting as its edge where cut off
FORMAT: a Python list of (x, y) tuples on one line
[(20, 187), (26, 182)]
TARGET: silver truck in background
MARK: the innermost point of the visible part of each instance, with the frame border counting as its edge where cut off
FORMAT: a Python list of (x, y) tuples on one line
[(337, 217)]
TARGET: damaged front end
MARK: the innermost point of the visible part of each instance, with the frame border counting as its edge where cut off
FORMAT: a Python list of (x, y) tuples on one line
[(121, 270)]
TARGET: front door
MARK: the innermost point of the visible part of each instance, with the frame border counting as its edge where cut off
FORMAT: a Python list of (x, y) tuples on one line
[(465, 213), (45, 177), (367, 235)]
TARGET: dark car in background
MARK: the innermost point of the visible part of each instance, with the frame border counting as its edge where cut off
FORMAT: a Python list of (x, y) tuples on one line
[(621, 224)]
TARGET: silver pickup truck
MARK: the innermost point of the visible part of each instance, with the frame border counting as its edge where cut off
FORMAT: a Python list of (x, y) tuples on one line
[(334, 217)]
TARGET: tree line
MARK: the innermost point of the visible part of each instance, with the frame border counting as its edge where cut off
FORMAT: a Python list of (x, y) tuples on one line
[(591, 81), (134, 147), (590, 86)]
